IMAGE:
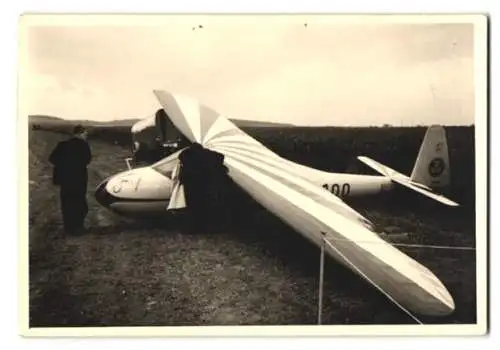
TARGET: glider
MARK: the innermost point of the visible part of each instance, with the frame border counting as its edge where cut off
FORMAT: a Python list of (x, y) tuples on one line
[(307, 199)]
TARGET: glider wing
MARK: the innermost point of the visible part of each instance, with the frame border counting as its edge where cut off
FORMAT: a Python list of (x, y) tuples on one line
[(311, 210)]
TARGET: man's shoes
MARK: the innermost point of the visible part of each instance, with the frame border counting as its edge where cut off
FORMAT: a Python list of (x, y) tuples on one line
[(75, 231), (80, 230)]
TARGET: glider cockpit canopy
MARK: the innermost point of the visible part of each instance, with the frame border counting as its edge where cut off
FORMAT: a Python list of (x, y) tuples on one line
[(156, 137)]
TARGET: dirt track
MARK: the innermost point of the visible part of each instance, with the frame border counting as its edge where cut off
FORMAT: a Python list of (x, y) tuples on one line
[(126, 273)]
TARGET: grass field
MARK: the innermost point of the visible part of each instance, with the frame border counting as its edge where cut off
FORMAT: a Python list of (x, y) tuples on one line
[(256, 271)]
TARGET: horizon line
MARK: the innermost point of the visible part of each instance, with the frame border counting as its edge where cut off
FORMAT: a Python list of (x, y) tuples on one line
[(284, 124)]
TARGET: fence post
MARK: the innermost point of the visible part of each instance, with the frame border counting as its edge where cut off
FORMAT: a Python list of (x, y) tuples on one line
[(321, 273)]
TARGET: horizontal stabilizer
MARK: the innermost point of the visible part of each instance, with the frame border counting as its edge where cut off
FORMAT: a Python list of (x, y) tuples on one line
[(405, 181)]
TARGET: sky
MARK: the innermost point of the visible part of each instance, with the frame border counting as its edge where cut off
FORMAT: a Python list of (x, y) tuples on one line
[(305, 70)]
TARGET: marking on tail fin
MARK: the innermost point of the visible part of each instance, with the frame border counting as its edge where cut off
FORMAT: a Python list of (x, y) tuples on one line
[(436, 167), (432, 166)]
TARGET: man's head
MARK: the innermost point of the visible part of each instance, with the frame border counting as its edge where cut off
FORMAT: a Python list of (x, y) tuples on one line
[(80, 131)]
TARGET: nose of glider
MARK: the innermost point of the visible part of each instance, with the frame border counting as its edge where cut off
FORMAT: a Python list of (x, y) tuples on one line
[(101, 194)]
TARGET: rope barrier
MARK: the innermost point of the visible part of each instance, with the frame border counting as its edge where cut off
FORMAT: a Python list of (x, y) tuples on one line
[(431, 246), (321, 274), (409, 245)]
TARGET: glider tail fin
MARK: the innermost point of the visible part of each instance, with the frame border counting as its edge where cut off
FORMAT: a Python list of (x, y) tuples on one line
[(432, 167), (431, 170)]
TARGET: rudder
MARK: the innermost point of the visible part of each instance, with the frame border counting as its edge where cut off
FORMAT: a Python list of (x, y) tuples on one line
[(432, 167)]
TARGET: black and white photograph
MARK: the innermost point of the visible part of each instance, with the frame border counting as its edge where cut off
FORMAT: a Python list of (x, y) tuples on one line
[(225, 173)]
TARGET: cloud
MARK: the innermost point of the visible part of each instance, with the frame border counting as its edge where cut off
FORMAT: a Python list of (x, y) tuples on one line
[(272, 68)]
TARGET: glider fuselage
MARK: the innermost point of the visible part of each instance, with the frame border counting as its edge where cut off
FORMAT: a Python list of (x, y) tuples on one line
[(147, 190)]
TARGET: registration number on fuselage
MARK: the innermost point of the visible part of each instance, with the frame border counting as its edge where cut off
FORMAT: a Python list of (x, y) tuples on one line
[(339, 190)]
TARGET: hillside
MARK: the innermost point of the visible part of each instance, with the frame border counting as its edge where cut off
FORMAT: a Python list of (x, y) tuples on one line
[(43, 119), (258, 124)]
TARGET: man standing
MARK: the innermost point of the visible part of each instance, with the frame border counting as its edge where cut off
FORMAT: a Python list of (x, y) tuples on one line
[(70, 159), (203, 174)]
